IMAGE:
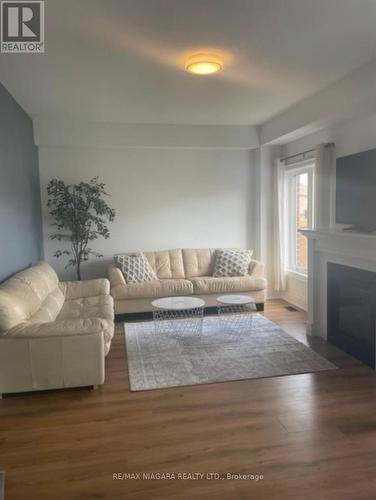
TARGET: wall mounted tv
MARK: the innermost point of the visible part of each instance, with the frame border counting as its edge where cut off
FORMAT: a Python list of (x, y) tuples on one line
[(356, 191)]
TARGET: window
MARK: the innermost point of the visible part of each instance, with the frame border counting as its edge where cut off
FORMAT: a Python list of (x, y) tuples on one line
[(299, 210)]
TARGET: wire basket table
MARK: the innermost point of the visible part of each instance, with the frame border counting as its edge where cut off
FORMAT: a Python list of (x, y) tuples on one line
[(178, 317), (235, 314)]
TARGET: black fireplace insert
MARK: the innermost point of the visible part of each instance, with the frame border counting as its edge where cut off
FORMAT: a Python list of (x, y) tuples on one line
[(351, 311)]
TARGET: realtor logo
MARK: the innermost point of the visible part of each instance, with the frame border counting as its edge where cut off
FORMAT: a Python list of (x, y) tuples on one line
[(22, 27)]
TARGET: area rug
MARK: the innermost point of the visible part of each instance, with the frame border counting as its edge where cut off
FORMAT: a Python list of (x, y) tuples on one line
[(158, 361)]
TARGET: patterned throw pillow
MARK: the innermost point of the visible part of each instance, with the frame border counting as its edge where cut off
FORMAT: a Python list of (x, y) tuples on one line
[(231, 263), (136, 268)]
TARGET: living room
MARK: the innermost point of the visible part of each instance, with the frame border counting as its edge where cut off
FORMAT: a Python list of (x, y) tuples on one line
[(187, 272)]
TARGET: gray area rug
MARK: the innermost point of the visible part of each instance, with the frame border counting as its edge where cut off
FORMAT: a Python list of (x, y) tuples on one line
[(220, 354)]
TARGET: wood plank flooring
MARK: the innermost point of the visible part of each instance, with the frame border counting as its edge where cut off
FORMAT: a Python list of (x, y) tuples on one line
[(310, 436)]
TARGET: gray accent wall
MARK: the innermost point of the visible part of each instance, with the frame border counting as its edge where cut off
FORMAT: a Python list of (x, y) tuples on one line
[(21, 241)]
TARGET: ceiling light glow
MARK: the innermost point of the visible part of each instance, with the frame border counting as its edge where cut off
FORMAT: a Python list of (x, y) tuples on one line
[(203, 64)]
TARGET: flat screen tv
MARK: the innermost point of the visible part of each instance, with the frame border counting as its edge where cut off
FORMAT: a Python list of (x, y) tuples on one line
[(356, 191)]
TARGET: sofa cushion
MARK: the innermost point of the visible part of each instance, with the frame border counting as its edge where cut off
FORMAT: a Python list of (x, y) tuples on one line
[(41, 278), (17, 303), (49, 308), (100, 306), (167, 264), (198, 261), (136, 268), (231, 262), (86, 288), (23, 294), (210, 284), (153, 289)]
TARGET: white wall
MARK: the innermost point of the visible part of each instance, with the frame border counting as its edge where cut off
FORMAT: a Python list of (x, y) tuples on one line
[(296, 291), (164, 198)]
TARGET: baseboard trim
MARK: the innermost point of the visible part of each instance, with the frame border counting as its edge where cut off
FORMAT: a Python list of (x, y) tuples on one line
[(284, 295)]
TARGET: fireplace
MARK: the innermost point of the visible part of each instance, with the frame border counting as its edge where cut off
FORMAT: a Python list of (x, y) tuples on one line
[(351, 307)]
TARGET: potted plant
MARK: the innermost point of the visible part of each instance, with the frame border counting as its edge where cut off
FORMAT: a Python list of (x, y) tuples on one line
[(80, 215)]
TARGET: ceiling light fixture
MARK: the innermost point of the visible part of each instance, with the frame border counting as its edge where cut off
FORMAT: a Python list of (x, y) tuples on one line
[(203, 64)]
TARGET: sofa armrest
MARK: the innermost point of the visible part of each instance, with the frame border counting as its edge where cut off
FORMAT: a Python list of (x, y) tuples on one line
[(115, 276), (59, 328), (52, 361), (87, 288), (256, 269)]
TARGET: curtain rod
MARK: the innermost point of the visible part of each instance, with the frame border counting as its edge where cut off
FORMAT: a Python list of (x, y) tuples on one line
[(298, 154), (305, 152)]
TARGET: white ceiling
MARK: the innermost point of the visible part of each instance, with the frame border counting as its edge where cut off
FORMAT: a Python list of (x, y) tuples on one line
[(122, 60)]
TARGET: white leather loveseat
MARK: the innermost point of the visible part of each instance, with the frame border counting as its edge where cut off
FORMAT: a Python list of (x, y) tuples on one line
[(53, 335), (186, 271)]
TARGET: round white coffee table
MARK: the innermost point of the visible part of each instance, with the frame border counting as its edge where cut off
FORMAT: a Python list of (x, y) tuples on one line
[(240, 300), (180, 317), (235, 313)]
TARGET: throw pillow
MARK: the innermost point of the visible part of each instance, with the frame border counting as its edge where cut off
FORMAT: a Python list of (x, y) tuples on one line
[(136, 268), (231, 263)]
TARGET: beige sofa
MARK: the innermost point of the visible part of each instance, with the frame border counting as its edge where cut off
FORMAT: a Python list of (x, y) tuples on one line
[(53, 335), (184, 272)]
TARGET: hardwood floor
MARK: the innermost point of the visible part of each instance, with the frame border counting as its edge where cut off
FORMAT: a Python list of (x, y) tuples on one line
[(311, 436)]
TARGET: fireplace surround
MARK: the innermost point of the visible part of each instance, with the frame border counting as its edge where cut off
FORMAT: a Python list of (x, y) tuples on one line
[(355, 250)]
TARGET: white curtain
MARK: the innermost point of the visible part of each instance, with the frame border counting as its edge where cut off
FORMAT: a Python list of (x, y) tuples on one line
[(324, 198), (278, 225)]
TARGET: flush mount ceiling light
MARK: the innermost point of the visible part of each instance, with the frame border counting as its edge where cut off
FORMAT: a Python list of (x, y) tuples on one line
[(203, 64)]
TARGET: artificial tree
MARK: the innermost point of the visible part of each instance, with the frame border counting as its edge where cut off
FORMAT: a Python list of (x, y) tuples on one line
[(80, 215)]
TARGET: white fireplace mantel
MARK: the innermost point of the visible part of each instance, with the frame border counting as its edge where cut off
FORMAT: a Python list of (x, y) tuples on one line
[(348, 248)]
